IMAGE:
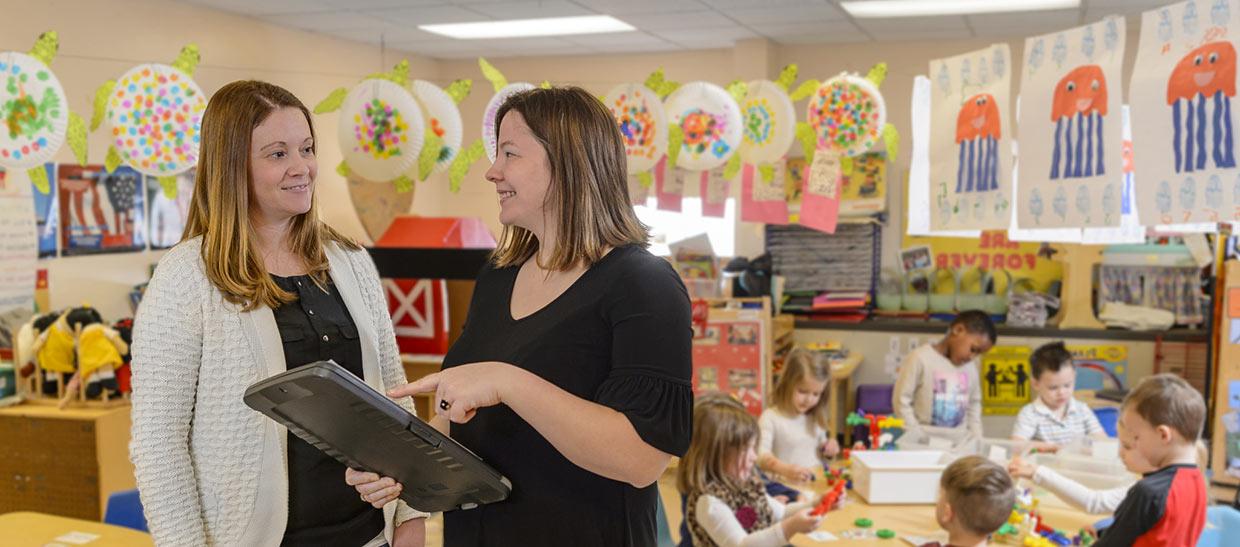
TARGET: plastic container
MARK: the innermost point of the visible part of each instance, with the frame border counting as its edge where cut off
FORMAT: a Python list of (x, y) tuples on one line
[(898, 476), (915, 301), (890, 291), (943, 302)]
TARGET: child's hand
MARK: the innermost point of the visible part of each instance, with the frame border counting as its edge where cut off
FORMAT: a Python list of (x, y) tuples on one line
[(1018, 468), (800, 523), (797, 473), (830, 448), (782, 499), (1045, 447), (858, 445)]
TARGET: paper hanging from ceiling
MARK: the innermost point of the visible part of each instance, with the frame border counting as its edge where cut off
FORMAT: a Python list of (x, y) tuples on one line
[(710, 121), (970, 135), (1183, 84), (1071, 93)]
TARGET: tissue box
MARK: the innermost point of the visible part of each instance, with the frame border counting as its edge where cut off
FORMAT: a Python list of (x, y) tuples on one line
[(898, 476)]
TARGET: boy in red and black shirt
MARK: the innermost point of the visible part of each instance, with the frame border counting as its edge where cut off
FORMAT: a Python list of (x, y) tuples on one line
[(1161, 420)]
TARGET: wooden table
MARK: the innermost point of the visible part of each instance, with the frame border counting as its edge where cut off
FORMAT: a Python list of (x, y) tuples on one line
[(841, 391), (38, 529), (917, 520)]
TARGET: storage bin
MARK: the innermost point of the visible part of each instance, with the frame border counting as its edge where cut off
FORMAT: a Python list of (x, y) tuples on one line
[(898, 476)]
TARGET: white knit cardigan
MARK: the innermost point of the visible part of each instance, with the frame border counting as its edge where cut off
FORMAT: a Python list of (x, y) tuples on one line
[(210, 470)]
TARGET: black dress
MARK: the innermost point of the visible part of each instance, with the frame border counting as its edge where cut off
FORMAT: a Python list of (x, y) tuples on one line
[(620, 336), (322, 509)]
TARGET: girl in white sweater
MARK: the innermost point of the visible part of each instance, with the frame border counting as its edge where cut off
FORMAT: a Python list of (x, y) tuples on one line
[(257, 285), (793, 438), (726, 502)]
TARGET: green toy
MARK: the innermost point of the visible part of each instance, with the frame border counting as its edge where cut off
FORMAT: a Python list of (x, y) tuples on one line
[(863, 523), (886, 534)]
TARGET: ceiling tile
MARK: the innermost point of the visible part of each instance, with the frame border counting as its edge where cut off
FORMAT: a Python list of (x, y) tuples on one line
[(332, 20), (1062, 18), (828, 38), (940, 24), (681, 20), (531, 10), (1125, 4), (390, 34), (804, 29), (790, 14), (249, 7), (426, 16), (725, 34), (925, 33), (767, 4), (635, 7), (615, 39), (377, 4)]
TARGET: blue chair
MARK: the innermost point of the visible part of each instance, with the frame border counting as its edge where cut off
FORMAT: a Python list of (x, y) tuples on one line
[(125, 509), (1222, 527), (1107, 416)]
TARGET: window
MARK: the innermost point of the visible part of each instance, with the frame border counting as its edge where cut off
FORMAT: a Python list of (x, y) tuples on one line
[(670, 226)]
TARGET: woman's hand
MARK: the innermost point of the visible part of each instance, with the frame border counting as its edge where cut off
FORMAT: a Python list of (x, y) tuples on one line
[(375, 490), (461, 391), (797, 473)]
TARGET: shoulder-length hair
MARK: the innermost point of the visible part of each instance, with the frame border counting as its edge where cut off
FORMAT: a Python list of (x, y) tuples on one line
[(219, 210), (800, 364), (588, 201), (722, 430)]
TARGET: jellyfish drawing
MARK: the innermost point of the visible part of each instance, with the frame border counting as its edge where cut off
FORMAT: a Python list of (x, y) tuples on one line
[(977, 135), (1235, 191), (999, 62), (1035, 205), (1164, 25), (1083, 201), (1060, 53), (1035, 54), (1079, 105), (1214, 192), (962, 206), (1087, 42), (1220, 12), (1163, 199), (945, 79), (983, 71), (1111, 38), (1190, 18), (1060, 203), (979, 207), (964, 73), (1188, 193), (1108, 201), (1208, 72), (945, 206)]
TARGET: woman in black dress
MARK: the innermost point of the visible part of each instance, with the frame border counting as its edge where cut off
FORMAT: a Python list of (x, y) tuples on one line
[(572, 374)]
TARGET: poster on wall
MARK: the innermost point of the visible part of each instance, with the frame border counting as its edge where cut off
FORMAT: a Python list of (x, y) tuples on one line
[(46, 214), (728, 358), (794, 183), (1070, 127), (168, 214), (1099, 367), (864, 190), (970, 140), (1183, 83), (1005, 380), (993, 251), (100, 212), (19, 252)]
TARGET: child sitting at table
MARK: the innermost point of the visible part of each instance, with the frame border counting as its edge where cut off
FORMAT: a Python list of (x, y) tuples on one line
[(938, 383), (975, 499), (726, 503), (1055, 418), (793, 431)]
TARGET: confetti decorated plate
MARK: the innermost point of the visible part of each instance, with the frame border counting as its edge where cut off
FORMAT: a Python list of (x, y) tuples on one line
[(847, 114), (643, 124), (710, 121), (380, 130)]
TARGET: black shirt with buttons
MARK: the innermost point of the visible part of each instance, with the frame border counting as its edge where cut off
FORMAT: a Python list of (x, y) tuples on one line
[(323, 510)]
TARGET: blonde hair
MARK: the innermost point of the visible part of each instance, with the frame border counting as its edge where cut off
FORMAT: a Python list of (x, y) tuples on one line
[(1166, 399), (722, 429), (980, 492), (220, 208), (588, 200), (799, 365)]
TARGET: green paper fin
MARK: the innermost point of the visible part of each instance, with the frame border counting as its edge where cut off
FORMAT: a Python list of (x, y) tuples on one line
[(76, 135), (38, 175), (891, 138), (45, 47), (187, 61), (459, 89), (645, 179), (400, 73), (332, 102), (655, 80), (343, 170), (667, 88), (403, 184), (846, 165), (877, 74), (112, 161), (169, 184), (460, 166), (807, 88), (787, 76), (101, 103), (492, 74), (675, 138), (809, 140), (733, 167), (768, 172), (546, 84), (738, 89), (432, 144)]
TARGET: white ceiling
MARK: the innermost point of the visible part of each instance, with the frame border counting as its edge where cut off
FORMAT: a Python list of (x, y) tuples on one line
[(662, 25)]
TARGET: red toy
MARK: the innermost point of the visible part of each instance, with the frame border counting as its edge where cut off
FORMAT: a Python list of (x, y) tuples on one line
[(828, 500)]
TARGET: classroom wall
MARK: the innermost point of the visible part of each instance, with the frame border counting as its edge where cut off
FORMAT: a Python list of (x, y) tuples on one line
[(101, 40)]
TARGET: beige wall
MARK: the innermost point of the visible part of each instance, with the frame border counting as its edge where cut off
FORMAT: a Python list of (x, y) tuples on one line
[(100, 40)]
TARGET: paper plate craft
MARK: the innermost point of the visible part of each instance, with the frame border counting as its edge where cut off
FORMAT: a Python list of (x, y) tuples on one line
[(34, 112), (643, 124), (443, 120), (770, 122), (154, 114), (710, 122), (489, 134), (847, 114)]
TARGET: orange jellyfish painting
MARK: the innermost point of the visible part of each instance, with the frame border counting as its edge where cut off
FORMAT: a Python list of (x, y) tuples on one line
[(1206, 72), (977, 133), (1080, 103)]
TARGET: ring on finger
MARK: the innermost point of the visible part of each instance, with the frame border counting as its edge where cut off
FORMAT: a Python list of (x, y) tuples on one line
[(444, 405)]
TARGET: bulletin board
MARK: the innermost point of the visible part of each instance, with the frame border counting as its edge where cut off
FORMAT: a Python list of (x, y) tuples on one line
[(1225, 460), (732, 350)]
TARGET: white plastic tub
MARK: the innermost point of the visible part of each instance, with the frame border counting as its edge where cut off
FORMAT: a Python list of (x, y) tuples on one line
[(898, 476)]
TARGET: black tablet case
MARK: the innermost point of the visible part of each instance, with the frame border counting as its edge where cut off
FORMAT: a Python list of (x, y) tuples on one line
[(333, 410)]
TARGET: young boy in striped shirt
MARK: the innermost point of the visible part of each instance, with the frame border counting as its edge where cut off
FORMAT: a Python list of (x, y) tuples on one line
[(1055, 418)]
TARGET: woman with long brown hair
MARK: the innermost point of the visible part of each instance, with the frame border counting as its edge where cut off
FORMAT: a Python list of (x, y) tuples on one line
[(572, 374), (257, 285)]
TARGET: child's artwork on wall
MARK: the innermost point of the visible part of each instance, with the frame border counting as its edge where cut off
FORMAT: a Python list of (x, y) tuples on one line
[(794, 184), (1182, 88), (46, 209), (729, 358), (169, 213), (1070, 127), (864, 191), (100, 212), (1099, 367), (971, 132), (710, 123)]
